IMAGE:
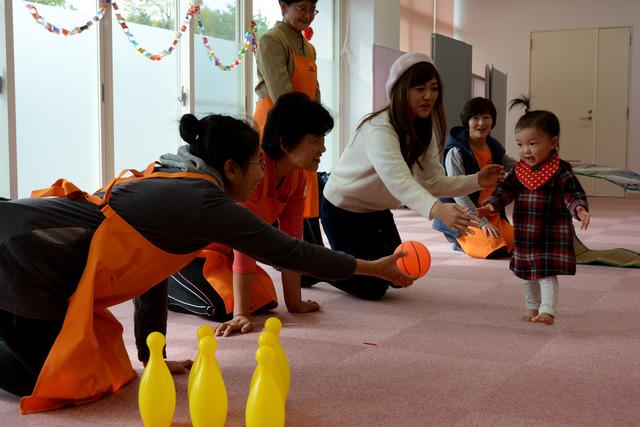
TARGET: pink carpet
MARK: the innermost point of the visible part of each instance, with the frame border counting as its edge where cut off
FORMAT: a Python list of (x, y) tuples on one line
[(450, 350)]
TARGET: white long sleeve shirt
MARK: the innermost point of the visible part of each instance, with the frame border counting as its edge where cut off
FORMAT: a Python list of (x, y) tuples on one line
[(371, 175)]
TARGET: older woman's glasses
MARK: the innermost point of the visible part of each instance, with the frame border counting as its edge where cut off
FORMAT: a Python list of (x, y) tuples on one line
[(304, 11), (261, 163)]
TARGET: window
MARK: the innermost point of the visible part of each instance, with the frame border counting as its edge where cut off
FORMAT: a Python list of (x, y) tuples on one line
[(216, 90), (146, 109), (88, 107), (57, 97), (5, 171)]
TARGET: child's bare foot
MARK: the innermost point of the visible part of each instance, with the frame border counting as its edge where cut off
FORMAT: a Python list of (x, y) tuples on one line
[(529, 315), (545, 318)]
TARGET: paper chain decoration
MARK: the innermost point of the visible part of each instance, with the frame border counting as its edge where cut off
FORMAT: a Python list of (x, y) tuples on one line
[(104, 5), (194, 9), (249, 41), (155, 56)]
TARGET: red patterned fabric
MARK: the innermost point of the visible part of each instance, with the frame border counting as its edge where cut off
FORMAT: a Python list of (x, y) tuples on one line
[(536, 176), (542, 222)]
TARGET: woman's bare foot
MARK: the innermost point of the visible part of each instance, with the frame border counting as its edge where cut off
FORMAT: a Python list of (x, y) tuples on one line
[(545, 318), (529, 315)]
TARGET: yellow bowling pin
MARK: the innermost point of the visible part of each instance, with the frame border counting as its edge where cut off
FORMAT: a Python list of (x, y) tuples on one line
[(203, 331), (267, 338), (274, 325), (265, 406), (157, 393), (208, 399)]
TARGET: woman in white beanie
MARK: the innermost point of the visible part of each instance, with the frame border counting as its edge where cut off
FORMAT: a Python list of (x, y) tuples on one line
[(394, 161)]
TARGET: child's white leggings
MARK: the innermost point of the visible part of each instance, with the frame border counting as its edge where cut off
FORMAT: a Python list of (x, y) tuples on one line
[(542, 294)]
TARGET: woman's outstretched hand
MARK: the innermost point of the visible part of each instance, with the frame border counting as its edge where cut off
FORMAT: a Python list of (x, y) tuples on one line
[(386, 268), (491, 175), (455, 216)]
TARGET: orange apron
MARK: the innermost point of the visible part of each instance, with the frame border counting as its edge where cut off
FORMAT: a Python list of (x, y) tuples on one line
[(478, 245), (305, 80), (219, 261), (88, 358)]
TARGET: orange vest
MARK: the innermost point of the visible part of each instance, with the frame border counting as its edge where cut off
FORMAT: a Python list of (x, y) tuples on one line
[(88, 358), (219, 261), (305, 80), (478, 245)]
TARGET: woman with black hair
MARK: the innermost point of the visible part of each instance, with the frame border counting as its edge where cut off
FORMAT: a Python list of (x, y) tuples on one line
[(67, 256), (293, 142), (469, 148)]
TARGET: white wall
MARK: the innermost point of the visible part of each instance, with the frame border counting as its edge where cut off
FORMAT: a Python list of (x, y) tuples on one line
[(364, 23), (4, 113), (499, 31)]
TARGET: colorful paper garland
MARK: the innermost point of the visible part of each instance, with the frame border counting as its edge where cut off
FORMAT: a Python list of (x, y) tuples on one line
[(155, 56), (104, 4), (249, 36), (249, 41)]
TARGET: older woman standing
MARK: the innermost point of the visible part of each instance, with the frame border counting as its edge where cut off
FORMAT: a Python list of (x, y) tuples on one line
[(286, 62)]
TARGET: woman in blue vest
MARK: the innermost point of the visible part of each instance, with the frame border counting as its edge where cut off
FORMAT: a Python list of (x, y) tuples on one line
[(469, 148)]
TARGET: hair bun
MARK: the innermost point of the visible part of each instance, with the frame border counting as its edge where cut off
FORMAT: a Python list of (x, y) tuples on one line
[(190, 128)]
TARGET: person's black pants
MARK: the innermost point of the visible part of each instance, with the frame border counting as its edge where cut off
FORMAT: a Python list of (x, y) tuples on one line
[(311, 230), (24, 346), (367, 236)]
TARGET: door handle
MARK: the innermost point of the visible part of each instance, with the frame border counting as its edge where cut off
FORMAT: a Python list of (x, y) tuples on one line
[(588, 117), (183, 97)]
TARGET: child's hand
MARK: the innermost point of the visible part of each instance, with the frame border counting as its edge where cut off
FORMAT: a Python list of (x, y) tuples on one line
[(491, 230), (486, 210), (584, 216)]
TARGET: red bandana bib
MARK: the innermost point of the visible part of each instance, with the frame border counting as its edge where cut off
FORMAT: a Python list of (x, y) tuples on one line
[(535, 177)]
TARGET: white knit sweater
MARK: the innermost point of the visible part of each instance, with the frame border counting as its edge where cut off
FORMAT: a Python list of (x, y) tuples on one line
[(372, 175)]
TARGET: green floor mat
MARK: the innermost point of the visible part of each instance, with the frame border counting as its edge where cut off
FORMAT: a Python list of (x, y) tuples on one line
[(617, 257)]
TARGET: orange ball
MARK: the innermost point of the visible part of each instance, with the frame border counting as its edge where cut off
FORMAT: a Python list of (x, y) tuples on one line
[(417, 260)]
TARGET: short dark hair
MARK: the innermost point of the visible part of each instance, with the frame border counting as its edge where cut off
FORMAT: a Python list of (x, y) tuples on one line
[(293, 117), (217, 138), (543, 120), (476, 107)]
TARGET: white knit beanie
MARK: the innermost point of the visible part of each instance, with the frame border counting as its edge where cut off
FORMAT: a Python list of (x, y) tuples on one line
[(401, 65)]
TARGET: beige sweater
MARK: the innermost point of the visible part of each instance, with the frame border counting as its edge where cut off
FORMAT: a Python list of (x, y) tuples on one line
[(275, 62), (371, 175)]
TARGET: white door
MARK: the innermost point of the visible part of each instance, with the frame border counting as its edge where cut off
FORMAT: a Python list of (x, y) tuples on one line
[(612, 100), (580, 76)]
